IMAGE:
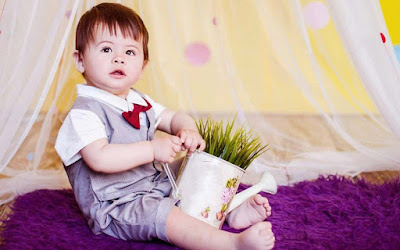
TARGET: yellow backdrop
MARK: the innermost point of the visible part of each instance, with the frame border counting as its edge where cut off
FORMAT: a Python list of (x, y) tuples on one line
[(251, 69)]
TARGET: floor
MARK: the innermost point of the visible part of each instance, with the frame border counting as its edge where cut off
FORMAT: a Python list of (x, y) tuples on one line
[(379, 177)]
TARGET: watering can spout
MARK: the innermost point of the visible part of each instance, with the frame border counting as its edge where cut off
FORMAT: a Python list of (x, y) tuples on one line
[(267, 184)]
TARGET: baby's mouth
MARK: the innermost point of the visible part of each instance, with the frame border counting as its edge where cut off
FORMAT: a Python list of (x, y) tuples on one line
[(118, 72)]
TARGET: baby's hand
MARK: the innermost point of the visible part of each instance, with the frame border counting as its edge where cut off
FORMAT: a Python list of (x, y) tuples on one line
[(165, 148), (191, 140)]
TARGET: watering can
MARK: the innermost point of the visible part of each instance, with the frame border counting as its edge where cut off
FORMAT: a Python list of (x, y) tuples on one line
[(206, 186)]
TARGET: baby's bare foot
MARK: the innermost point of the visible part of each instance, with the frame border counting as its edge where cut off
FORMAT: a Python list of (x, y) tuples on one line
[(255, 209), (259, 236)]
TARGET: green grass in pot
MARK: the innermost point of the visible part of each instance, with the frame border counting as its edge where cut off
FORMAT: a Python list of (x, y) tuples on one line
[(238, 147)]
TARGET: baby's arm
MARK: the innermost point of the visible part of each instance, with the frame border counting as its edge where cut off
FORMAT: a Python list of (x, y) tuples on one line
[(112, 158), (184, 127)]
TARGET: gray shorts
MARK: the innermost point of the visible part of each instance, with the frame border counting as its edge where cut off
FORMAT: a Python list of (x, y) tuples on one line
[(140, 216)]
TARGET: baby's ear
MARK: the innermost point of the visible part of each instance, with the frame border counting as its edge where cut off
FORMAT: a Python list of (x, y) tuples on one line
[(144, 64), (78, 61)]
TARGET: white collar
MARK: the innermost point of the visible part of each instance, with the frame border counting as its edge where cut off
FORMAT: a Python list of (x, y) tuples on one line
[(113, 100)]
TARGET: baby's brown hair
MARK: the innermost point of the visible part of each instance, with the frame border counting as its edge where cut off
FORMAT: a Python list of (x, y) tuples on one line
[(113, 16)]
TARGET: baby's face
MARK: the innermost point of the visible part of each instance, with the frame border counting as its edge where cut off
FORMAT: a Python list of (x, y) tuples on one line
[(113, 63)]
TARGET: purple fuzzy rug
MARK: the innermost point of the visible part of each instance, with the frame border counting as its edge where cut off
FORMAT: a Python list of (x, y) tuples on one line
[(329, 213)]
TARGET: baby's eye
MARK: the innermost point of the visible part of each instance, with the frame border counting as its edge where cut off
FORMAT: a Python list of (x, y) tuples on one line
[(106, 49), (130, 52)]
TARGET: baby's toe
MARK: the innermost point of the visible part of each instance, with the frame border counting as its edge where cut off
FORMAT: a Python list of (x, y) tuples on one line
[(260, 200), (268, 209)]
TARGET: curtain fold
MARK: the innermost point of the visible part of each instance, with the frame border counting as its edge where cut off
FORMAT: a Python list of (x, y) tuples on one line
[(375, 61), (34, 41)]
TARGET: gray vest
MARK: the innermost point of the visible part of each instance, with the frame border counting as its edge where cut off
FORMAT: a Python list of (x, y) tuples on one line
[(108, 187)]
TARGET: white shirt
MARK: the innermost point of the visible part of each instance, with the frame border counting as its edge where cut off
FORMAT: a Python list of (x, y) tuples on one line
[(82, 127)]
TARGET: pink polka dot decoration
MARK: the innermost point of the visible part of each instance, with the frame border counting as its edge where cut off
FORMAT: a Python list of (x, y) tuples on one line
[(316, 15), (68, 14), (214, 21), (197, 53)]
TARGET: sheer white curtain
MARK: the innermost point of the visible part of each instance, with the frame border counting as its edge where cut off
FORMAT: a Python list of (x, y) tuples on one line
[(32, 40), (373, 56), (31, 44), (365, 39), (314, 79), (370, 144)]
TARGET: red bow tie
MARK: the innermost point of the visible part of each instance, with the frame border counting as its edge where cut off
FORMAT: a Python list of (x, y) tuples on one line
[(133, 116)]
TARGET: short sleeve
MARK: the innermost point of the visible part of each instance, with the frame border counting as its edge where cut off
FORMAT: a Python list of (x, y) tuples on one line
[(80, 128)]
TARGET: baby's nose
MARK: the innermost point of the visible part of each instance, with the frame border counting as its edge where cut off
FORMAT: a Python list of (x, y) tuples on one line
[(119, 61)]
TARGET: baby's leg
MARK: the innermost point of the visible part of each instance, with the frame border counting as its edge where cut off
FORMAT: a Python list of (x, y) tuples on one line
[(190, 233), (255, 209)]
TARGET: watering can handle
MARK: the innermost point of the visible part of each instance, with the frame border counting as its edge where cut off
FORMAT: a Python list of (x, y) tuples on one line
[(175, 191)]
